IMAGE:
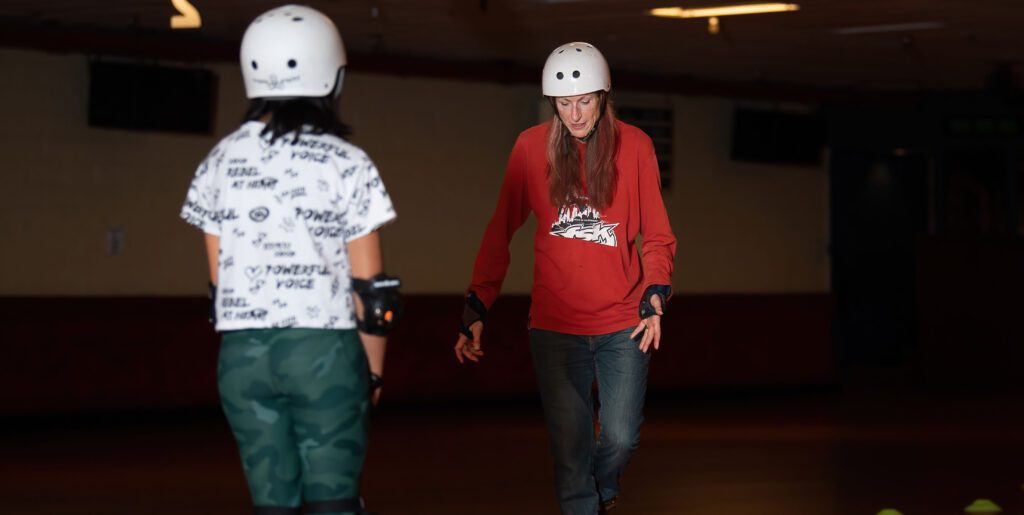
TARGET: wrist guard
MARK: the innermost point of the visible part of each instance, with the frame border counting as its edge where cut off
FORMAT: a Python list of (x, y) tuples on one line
[(376, 382), (211, 294), (382, 304), (662, 291), (474, 311)]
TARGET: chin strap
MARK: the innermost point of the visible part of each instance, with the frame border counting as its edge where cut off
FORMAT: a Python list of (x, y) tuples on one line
[(593, 129), (338, 80)]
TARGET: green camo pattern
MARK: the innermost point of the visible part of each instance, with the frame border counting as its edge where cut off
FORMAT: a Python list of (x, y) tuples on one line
[(297, 401)]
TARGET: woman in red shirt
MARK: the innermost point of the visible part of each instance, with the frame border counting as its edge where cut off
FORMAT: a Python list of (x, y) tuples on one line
[(592, 182)]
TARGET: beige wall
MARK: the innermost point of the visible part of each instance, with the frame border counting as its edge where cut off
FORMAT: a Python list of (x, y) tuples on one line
[(743, 227), (441, 147)]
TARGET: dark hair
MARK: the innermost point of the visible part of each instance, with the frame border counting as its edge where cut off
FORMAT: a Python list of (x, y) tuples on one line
[(303, 115), (565, 186)]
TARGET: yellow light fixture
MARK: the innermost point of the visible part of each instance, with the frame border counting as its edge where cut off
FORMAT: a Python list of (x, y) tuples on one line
[(725, 10), (713, 26), (188, 16)]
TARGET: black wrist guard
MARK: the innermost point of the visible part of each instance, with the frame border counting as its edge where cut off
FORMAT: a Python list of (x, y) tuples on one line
[(474, 311), (662, 291), (376, 382), (211, 294), (382, 304)]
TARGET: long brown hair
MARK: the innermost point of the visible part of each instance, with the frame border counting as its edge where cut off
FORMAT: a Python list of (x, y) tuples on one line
[(564, 181)]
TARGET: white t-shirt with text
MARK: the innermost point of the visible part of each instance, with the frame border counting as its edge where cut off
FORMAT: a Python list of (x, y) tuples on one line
[(284, 214)]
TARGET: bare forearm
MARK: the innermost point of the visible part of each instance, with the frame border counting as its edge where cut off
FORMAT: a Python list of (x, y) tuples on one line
[(212, 255), (375, 347)]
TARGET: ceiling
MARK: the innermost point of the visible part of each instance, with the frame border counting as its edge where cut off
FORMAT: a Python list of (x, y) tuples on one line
[(802, 47)]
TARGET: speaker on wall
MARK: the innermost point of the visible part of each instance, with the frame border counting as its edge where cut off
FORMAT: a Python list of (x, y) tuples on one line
[(152, 98)]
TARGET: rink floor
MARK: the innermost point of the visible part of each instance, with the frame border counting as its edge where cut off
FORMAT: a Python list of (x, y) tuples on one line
[(808, 453)]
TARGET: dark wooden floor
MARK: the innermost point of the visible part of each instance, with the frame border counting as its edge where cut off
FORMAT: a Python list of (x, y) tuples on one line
[(808, 454)]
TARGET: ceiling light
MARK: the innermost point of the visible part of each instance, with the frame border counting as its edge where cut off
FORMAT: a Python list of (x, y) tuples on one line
[(714, 27), (188, 16), (725, 10), (894, 27)]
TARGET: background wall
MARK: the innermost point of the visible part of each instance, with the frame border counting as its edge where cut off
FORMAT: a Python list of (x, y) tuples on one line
[(441, 146), (129, 331)]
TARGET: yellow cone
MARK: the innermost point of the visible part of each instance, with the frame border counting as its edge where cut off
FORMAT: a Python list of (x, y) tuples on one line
[(889, 511), (983, 507)]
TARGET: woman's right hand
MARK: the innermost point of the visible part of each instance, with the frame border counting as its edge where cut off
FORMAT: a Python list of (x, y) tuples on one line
[(470, 349)]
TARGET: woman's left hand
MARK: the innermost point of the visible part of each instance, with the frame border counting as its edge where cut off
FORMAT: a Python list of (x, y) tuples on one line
[(650, 327)]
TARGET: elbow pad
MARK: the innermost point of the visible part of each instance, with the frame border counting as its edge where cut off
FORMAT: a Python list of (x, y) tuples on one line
[(382, 304), (661, 290)]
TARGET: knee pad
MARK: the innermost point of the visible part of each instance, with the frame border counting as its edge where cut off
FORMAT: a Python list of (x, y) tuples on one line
[(352, 504), (275, 510)]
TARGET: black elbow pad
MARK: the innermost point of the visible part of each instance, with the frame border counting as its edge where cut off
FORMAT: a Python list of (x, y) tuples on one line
[(382, 303)]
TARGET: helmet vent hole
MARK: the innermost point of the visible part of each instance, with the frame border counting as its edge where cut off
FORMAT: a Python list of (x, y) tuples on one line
[(292, 63), (576, 74), (297, 18), (254, 65), (562, 50), (579, 49), (559, 75)]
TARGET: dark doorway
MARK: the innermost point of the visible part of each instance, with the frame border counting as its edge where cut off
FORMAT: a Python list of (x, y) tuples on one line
[(978, 196), (879, 204)]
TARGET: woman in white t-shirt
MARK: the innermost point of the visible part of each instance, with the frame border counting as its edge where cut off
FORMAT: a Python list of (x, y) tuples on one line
[(290, 211)]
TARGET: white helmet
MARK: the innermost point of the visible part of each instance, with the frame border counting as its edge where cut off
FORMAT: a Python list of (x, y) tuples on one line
[(292, 51), (574, 69)]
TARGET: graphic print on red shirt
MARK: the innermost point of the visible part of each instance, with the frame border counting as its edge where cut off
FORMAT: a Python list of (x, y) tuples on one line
[(584, 224)]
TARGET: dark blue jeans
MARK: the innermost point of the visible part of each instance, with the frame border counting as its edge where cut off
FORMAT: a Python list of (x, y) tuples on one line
[(587, 469)]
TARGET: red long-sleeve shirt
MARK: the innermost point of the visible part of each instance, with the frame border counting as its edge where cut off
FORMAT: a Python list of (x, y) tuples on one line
[(588, 276)]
